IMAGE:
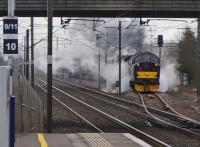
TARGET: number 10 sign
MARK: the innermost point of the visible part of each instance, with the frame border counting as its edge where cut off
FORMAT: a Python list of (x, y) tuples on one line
[(10, 35), (10, 46)]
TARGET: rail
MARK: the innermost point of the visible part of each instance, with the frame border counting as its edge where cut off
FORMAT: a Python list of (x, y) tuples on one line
[(149, 139)]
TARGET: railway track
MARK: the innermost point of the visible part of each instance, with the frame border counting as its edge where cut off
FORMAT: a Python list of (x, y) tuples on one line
[(92, 93), (169, 108), (175, 115), (173, 125), (172, 116), (72, 110), (149, 139)]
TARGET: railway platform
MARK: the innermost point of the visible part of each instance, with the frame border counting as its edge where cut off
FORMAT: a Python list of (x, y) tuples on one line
[(80, 140)]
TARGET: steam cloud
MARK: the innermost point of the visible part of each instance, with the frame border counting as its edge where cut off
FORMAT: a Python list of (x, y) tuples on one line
[(168, 77), (80, 50), (110, 73)]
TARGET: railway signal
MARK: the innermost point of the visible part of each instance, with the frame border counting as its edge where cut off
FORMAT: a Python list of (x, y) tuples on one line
[(160, 44), (160, 40)]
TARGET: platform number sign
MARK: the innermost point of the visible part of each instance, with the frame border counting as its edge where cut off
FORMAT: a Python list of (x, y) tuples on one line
[(10, 26), (10, 31), (10, 46)]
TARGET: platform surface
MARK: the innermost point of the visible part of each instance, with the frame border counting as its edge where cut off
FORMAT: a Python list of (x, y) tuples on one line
[(79, 140)]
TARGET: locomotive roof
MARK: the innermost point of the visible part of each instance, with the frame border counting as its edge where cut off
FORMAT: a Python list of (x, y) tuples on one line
[(145, 56)]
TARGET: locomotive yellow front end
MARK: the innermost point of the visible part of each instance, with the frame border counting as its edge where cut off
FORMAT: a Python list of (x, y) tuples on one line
[(146, 81), (145, 72)]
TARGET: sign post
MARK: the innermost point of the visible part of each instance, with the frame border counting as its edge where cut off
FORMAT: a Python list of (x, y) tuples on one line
[(10, 46), (7, 106)]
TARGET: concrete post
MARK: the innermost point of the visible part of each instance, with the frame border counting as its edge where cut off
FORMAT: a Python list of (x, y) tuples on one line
[(4, 107)]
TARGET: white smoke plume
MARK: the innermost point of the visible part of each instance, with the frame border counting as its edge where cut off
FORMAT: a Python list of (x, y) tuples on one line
[(74, 49), (111, 73), (168, 77), (80, 48)]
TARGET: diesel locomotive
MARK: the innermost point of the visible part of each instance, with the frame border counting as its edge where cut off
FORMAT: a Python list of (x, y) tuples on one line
[(144, 72)]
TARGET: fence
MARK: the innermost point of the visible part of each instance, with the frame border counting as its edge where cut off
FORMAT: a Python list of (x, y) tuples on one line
[(29, 107)]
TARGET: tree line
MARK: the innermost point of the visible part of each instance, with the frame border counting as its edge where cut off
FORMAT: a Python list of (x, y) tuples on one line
[(187, 56)]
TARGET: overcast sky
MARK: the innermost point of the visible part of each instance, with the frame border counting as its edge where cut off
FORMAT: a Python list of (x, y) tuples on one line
[(171, 29)]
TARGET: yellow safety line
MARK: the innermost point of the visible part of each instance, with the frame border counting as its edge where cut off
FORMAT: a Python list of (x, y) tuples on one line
[(42, 140)]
